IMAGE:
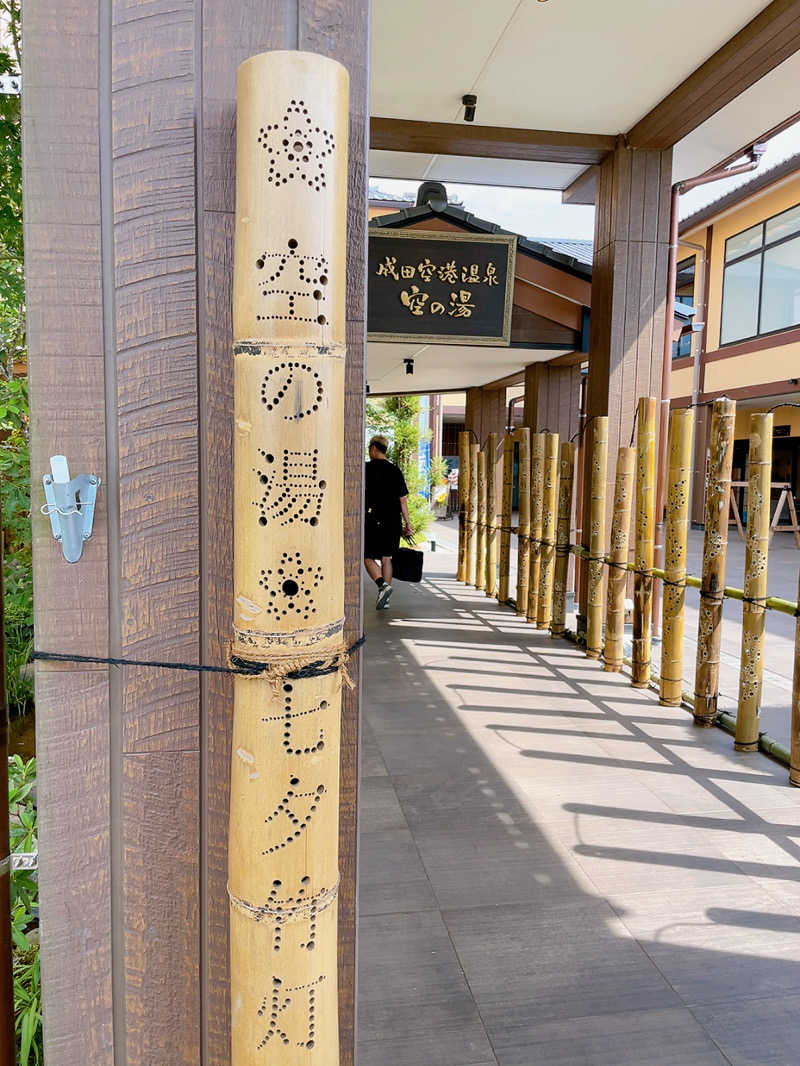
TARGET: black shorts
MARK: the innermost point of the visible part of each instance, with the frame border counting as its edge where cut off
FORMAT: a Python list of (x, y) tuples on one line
[(381, 537)]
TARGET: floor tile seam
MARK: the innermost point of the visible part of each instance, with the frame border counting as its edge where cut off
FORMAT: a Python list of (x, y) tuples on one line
[(468, 984), (710, 1035)]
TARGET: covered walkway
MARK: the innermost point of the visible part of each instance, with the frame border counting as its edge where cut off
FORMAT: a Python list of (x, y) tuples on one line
[(554, 868)]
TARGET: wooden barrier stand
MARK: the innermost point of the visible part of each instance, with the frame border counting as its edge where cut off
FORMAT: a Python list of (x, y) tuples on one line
[(289, 357), (785, 499), (523, 435), (490, 583), (715, 546), (597, 537), (754, 611), (472, 516), (618, 557), (480, 562), (505, 518), (537, 503), (643, 541), (547, 534), (676, 531), (561, 569), (463, 503)]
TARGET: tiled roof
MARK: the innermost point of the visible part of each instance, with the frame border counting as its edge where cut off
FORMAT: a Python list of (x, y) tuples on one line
[(577, 249)]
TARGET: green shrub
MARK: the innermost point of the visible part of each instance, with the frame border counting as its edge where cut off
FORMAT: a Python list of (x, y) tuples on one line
[(398, 419)]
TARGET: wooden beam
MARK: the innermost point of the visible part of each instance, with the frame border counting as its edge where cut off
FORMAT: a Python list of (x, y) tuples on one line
[(490, 142), (764, 43), (582, 190)]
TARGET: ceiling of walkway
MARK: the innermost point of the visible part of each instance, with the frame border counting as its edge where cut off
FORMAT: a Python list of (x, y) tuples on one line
[(578, 66)]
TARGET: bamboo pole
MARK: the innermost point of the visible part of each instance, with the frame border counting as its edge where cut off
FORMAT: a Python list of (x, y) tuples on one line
[(643, 541), (618, 557), (597, 537), (491, 514), (463, 503), (289, 358), (536, 503), (544, 611), (566, 477), (505, 517), (794, 759), (472, 516), (480, 563), (676, 531), (715, 547), (524, 521), (754, 612)]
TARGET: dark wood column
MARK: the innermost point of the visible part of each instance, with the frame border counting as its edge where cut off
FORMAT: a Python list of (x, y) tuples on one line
[(553, 398)]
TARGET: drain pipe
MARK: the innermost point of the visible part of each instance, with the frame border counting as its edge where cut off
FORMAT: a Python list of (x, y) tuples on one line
[(514, 400), (755, 153)]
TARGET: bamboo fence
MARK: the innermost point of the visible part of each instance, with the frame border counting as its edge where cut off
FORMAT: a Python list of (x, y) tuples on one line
[(523, 435), (561, 569), (472, 516), (643, 541), (491, 514), (480, 562), (536, 506), (505, 517), (618, 559), (544, 611), (463, 503), (597, 537), (676, 530)]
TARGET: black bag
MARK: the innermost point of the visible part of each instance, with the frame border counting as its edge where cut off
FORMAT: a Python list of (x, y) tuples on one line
[(407, 564)]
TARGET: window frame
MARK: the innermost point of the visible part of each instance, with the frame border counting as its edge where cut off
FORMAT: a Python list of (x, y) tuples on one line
[(761, 251)]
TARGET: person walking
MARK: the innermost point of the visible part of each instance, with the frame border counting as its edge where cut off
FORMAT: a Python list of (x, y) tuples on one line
[(385, 517)]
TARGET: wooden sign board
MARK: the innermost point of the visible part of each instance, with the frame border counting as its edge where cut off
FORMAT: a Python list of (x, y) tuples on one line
[(445, 288)]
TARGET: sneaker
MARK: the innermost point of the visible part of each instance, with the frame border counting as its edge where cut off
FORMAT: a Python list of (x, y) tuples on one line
[(384, 595)]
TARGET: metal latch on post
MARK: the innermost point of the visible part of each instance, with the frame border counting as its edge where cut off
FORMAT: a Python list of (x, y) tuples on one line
[(70, 506)]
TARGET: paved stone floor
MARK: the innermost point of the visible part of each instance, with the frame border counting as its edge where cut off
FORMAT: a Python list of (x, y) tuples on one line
[(554, 868)]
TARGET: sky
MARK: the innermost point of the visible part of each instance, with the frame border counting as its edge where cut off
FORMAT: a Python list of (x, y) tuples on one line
[(540, 213)]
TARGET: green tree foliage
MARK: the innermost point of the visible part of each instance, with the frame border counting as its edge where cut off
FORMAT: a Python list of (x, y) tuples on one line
[(398, 419)]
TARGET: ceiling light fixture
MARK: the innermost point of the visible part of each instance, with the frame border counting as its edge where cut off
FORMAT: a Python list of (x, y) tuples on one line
[(469, 100), (409, 365)]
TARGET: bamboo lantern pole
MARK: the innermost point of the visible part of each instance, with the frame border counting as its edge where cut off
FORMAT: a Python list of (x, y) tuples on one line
[(491, 514), (643, 541), (597, 537), (505, 517), (566, 474), (535, 551), (618, 557), (480, 563), (548, 532), (524, 521), (715, 547), (472, 515), (289, 358), (794, 759), (463, 503), (754, 610), (676, 531)]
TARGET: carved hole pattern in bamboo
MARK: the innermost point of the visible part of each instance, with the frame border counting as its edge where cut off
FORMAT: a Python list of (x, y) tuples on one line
[(286, 810), (275, 392), (296, 148), (304, 278), (297, 496), (751, 661), (279, 1002), (289, 716), (278, 903), (291, 587)]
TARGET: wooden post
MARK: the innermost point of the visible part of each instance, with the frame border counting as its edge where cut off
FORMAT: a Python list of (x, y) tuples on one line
[(480, 562), (8, 1051), (472, 516), (289, 359), (754, 612), (715, 547), (535, 553), (544, 610), (618, 557), (491, 514), (463, 503), (524, 523), (566, 476), (643, 544), (597, 537), (676, 530), (505, 517), (794, 760)]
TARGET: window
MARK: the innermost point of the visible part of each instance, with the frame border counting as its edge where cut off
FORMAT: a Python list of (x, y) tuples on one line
[(684, 293), (761, 286)]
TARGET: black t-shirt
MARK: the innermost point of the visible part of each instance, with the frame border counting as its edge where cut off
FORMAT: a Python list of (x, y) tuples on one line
[(384, 486)]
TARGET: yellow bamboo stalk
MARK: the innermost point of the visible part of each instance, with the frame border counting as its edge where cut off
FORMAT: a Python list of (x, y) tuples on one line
[(505, 517), (754, 611), (288, 595), (794, 759), (535, 554), (544, 611), (472, 516), (463, 503), (566, 476), (523, 436), (618, 557), (715, 547), (643, 542), (491, 515), (597, 537), (676, 531), (480, 565)]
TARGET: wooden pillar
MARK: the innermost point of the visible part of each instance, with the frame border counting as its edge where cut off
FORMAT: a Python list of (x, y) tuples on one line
[(523, 436), (536, 504), (643, 544), (472, 515), (463, 503), (566, 474), (491, 514), (676, 529), (715, 548), (754, 611), (618, 557), (548, 532), (505, 517), (553, 397), (480, 555), (598, 435)]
